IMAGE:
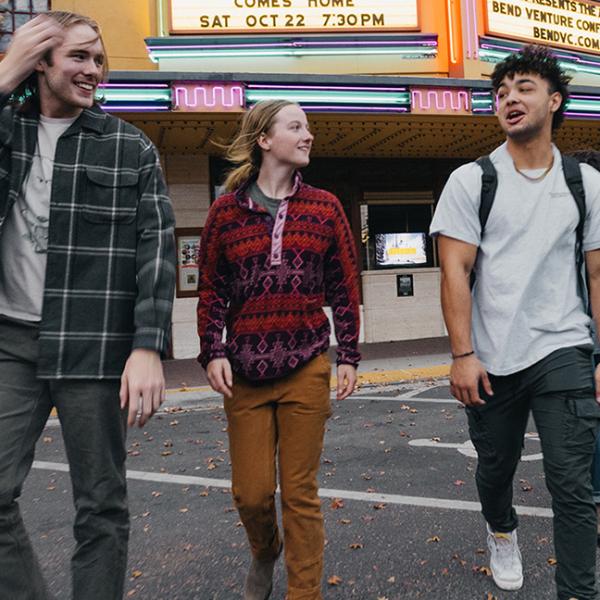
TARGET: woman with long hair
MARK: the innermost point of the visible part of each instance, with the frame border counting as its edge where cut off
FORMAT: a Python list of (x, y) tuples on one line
[(274, 251)]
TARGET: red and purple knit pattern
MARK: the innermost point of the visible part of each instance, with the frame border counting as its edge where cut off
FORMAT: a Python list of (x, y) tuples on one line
[(266, 284)]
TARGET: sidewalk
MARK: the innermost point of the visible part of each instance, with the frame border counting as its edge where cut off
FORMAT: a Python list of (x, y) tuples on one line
[(384, 362)]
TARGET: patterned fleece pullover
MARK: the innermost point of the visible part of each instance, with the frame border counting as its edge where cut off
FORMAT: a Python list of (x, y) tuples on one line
[(267, 279)]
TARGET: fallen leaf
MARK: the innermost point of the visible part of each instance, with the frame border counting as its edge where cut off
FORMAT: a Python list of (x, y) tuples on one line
[(345, 521), (391, 579), (379, 506), (184, 510), (136, 574), (337, 503), (552, 561), (434, 539), (156, 494), (356, 546), (483, 569), (48, 439)]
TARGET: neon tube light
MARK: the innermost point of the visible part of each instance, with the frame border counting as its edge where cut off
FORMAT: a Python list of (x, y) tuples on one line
[(444, 100), (422, 52), (357, 108), (453, 58), (144, 86), (330, 96), (494, 51), (125, 95), (472, 28), (230, 97), (345, 88), (293, 44), (133, 108)]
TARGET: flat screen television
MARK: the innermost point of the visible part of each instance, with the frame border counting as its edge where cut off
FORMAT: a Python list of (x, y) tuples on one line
[(400, 249)]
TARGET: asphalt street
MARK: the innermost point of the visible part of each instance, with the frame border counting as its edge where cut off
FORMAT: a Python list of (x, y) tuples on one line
[(398, 495)]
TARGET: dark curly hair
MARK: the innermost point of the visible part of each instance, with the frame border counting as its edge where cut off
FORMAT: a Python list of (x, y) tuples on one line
[(541, 61)]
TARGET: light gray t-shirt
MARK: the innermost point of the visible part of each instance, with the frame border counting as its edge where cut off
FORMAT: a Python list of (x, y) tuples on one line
[(24, 241), (525, 299)]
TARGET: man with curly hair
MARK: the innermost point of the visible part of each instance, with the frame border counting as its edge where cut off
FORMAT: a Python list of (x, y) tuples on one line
[(520, 338)]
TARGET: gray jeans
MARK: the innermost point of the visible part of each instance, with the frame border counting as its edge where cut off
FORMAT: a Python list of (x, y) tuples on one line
[(94, 431)]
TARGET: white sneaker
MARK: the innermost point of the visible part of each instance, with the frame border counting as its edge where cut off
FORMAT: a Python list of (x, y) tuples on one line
[(505, 559)]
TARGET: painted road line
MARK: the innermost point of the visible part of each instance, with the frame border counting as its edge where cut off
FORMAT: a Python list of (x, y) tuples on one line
[(467, 449), (423, 502), (405, 400)]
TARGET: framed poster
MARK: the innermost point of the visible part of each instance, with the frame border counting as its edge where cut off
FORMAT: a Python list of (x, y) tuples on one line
[(188, 248), (404, 285)]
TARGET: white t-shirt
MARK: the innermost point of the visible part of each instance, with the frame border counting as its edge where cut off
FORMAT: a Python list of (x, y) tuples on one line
[(525, 299), (24, 241)]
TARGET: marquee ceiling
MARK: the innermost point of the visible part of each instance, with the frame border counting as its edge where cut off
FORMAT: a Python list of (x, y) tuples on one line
[(358, 135)]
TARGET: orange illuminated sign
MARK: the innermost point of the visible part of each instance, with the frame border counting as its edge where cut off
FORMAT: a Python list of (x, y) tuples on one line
[(280, 16)]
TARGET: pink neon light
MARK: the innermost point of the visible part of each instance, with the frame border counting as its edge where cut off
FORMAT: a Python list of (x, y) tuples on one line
[(135, 85), (474, 30), (468, 36), (443, 99), (209, 94), (345, 88)]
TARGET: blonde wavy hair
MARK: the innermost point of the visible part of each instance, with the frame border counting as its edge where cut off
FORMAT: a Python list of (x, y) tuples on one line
[(28, 91), (244, 151)]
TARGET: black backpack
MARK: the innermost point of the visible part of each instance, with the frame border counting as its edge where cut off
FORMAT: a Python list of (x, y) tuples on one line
[(572, 173)]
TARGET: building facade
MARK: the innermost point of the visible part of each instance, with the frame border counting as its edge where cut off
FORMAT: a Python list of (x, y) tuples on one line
[(397, 92)]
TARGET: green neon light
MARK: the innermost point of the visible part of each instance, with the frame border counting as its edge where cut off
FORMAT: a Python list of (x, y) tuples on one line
[(583, 105), (160, 18), (332, 96), (498, 55), (124, 95), (157, 55)]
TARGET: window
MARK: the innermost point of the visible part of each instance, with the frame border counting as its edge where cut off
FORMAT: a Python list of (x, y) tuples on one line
[(14, 13), (394, 230)]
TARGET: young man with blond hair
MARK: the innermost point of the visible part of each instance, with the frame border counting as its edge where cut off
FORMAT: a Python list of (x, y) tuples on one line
[(86, 286)]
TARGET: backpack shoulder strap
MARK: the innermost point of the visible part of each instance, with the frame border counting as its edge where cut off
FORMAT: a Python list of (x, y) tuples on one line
[(489, 183), (572, 173)]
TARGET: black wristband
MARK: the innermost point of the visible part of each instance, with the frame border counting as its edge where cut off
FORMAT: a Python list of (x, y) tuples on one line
[(455, 356)]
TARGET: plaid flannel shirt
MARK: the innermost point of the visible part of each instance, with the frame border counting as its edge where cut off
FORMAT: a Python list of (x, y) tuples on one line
[(110, 274)]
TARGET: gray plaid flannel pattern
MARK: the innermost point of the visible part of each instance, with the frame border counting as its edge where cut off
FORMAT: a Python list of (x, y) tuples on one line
[(110, 275)]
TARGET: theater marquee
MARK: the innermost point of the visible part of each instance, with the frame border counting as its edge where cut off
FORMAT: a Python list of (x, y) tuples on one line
[(293, 16), (573, 24)]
